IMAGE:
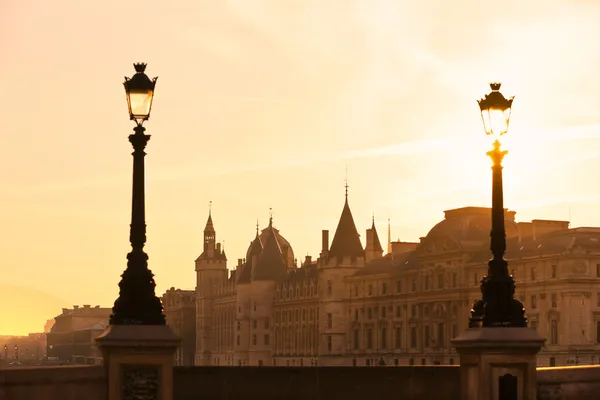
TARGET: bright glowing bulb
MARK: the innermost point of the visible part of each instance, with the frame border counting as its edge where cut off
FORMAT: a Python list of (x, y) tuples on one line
[(140, 103)]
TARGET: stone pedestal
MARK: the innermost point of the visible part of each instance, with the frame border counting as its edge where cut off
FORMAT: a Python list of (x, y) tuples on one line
[(139, 361), (498, 363)]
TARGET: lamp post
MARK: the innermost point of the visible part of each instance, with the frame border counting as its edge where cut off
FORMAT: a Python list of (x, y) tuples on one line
[(16, 352), (137, 303), (498, 307)]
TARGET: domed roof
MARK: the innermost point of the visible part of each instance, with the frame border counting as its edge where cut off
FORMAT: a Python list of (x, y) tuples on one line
[(262, 238), (471, 224)]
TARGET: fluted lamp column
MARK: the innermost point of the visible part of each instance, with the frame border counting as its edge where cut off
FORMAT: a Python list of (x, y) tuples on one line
[(137, 303)]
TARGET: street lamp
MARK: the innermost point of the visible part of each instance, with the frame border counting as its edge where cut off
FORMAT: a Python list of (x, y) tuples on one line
[(498, 307), (137, 303), (16, 352), (6, 353)]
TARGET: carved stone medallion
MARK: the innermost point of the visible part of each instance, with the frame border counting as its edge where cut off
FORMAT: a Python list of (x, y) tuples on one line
[(140, 382), (579, 268)]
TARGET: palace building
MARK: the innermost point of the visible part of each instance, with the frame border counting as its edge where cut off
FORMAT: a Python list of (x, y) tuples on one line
[(354, 305)]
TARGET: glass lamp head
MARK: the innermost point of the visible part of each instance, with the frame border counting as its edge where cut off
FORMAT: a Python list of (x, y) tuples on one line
[(495, 111), (140, 92)]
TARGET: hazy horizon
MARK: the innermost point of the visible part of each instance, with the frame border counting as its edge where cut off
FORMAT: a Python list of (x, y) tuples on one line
[(263, 104)]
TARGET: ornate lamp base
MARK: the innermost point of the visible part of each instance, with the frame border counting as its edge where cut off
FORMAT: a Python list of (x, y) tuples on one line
[(498, 363), (139, 361)]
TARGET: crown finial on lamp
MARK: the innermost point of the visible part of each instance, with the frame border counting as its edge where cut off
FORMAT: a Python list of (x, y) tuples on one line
[(495, 86), (140, 67)]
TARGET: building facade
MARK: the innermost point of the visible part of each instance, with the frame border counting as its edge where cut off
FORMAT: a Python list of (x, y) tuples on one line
[(72, 337), (356, 306), (180, 311)]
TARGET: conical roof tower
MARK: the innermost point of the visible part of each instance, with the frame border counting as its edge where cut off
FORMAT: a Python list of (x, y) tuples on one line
[(346, 241)]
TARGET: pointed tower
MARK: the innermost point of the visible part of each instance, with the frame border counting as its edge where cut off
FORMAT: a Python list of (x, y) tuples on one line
[(373, 249), (211, 272), (209, 236), (344, 258), (389, 244), (267, 260), (346, 240)]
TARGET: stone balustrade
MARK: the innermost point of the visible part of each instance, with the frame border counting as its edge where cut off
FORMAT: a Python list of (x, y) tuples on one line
[(216, 383)]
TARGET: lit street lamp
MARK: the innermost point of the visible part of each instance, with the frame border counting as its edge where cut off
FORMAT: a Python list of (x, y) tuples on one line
[(498, 307), (137, 303), (16, 352)]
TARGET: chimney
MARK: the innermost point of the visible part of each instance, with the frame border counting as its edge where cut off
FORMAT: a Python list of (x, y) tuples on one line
[(240, 262), (218, 247), (86, 306), (308, 259), (403, 247), (64, 310), (325, 236), (369, 244), (75, 307)]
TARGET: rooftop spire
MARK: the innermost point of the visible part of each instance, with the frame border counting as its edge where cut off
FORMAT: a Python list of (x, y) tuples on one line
[(376, 242), (209, 222), (270, 216), (389, 237), (256, 227), (346, 185)]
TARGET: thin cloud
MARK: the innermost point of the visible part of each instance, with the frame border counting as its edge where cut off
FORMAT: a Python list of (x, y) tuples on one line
[(417, 147)]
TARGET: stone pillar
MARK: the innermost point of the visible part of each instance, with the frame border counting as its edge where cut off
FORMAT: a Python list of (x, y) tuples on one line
[(495, 361), (139, 361)]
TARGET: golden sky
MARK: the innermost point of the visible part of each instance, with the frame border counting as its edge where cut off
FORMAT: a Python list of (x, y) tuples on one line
[(264, 103)]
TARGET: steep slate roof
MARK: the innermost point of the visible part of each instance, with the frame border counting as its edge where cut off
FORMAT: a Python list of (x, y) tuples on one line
[(246, 274), (270, 265), (549, 243), (346, 241), (209, 224), (256, 247), (209, 230), (376, 242)]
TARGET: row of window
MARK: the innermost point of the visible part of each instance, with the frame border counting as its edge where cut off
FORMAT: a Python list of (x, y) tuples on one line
[(296, 315), (429, 338), (383, 312), (427, 285), (287, 294)]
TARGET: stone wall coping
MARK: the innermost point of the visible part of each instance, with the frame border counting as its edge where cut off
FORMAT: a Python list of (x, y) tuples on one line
[(498, 340), (39, 375), (571, 374)]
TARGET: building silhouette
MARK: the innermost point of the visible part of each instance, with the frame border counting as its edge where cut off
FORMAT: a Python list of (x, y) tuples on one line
[(356, 306), (72, 337), (180, 311)]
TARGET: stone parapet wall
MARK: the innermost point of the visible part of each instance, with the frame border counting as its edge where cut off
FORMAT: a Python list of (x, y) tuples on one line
[(53, 383), (565, 383), (305, 383), (302, 383)]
